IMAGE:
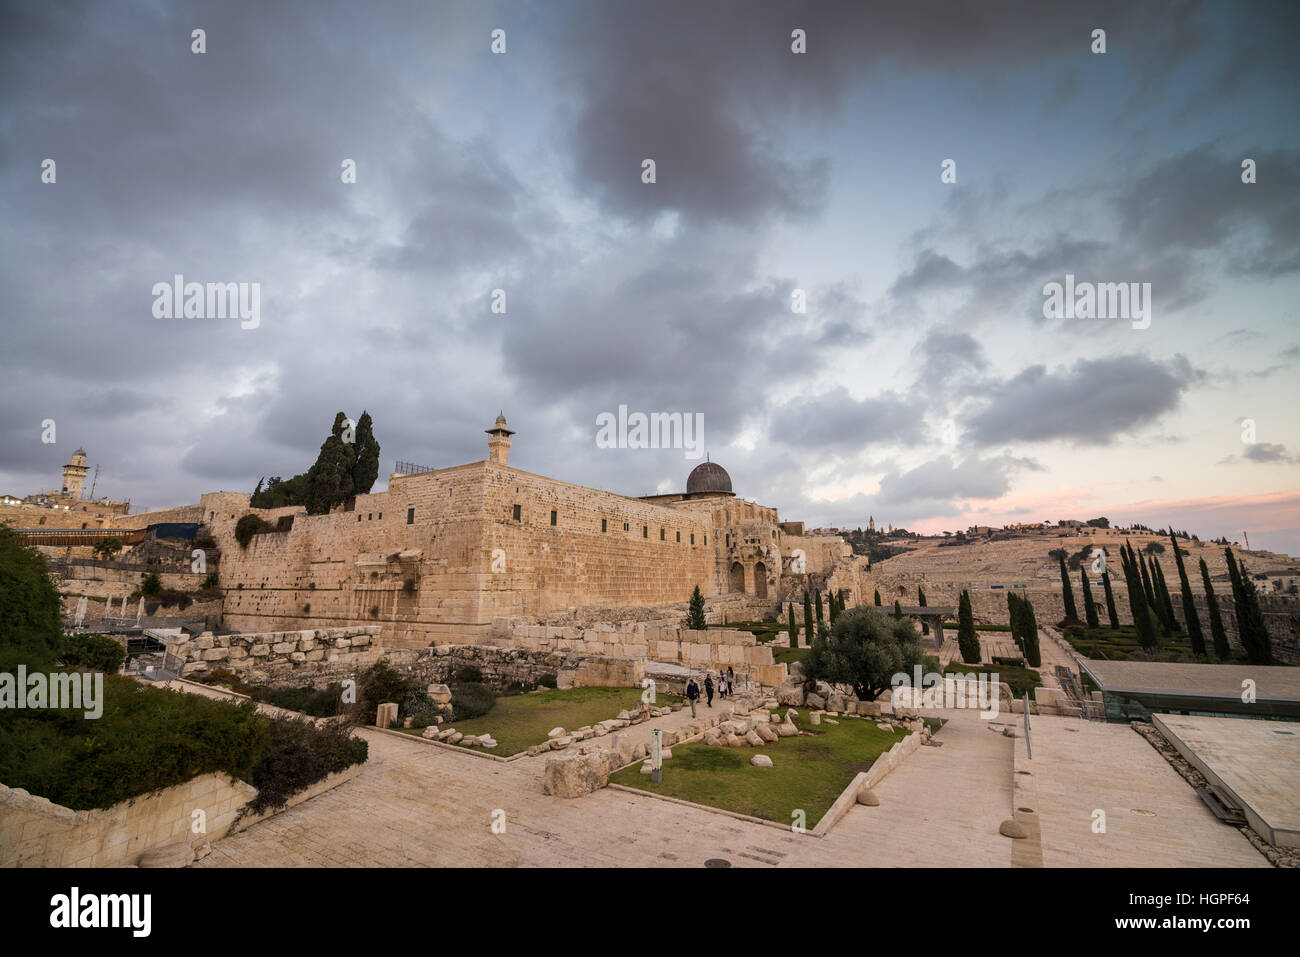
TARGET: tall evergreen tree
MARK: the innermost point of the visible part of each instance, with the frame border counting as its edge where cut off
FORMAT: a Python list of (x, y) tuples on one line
[(1089, 609), (1067, 593), (968, 642), (1033, 657), (1250, 620), (695, 615), (1193, 620), (832, 606), (792, 628), (365, 456), (1217, 632), (920, 600), (1148, 590), (807, 617), (1111, 611), (329, 480), (1164, 606), (1138, 607), (817, 597), (877, 597), (1174, 624), (898, 610)]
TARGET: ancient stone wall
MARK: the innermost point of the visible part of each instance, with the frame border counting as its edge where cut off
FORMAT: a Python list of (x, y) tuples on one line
[(507, 669), (314, 656)]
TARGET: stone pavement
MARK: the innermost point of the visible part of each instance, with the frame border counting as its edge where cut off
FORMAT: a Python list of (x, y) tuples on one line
[(419, 805)]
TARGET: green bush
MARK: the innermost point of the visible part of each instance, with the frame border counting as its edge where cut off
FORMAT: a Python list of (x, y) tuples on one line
[(420, 708), (470, 674), (299, 754), (93, 653), (151, 585), (248, 526), (211, 582), (31, 623), (381, 683), (471, 699), (320, 703), (147, 738)]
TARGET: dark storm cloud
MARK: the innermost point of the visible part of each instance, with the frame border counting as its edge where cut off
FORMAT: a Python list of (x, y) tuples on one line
[(1266, 452), (931, 487), (836, 421), (1093, 400)]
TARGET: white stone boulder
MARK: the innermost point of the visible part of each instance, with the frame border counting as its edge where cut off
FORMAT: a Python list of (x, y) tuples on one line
[(573, 775), (555, 732), (767, 732), (761, 761)]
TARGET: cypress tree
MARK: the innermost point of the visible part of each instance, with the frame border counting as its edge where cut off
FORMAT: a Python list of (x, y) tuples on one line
[(1089, 609), (1013, 619), (1250, 621), (1142, 622), (1174, 624), (817, 596), (877, 597), (1217, 633), (695, 616), (1147, 590), (967, 641), (807, 618), (1067, 593), (1189, 607), (832, 606), (365, 450), (1032, 654), (920, 600), (898, 610), (793, 629), (1164, 608), (1110, 600)]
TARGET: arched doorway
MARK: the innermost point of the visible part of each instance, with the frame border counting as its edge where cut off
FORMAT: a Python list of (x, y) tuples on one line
[(736, 577), (760, 580)]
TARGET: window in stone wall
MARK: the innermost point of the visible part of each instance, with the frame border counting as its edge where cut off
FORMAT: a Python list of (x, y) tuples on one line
[(679, 537), (625, 526), (410, 516), (517, 512), (603, 527), (358, 518), (692, 538), (381, 516), (552, 516), (645, 531), (661, 534), (706, 539)]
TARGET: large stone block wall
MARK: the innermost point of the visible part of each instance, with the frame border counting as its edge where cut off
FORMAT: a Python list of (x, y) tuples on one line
[(506, 668), (314, 656), (181, 513), (35, 832)]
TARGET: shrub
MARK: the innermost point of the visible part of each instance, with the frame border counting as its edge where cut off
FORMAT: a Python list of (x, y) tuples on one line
[(408, 586), (211, 582), (470, 674), (381, 683), (471, 699), (31, 624), (248, 526), (151, 586), (320, 703), (205, 542), (299, 754), (93, 653), (147, 738), (421, 709)]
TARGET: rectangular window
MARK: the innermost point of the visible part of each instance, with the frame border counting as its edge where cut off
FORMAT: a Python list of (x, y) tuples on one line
[(516, 512), (410, 516), (679, 536), (358, 517), (692, 538), (645, 531), (552, 516), (706, 539), (661, 534), (602, 525), (625, 526)]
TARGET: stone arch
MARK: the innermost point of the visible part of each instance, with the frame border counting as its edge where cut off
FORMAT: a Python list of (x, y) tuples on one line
[(736, 577), (760, 580)]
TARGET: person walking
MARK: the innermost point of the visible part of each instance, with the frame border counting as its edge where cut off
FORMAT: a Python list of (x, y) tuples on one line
[(692, 694), (708, 688)]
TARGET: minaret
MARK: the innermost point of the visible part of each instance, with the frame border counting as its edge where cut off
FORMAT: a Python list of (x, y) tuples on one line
[(74, 474), (499, 443)]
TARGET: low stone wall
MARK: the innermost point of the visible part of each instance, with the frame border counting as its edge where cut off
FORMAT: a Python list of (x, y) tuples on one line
[(35, 832), (314, 656), (717, 611), (503, 668), (711, 650)]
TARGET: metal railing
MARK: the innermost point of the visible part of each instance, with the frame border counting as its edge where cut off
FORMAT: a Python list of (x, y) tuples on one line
[(410, 468)]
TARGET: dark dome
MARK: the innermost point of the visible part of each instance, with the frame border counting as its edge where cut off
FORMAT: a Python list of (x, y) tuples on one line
[(708, 477)]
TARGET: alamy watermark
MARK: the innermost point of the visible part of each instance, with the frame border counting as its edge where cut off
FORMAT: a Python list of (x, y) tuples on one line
[(934, 690), (1105, 300), (179, 299), (656, 430), (61, 689)]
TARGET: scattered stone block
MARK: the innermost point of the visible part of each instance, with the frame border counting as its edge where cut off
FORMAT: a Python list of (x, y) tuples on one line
[(868, 798), (761, 761)]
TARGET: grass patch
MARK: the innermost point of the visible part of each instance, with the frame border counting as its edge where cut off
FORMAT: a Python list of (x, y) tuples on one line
[(517, 722), (1121, 644), (788, 656), (1019, 680), (763, 631), (808, 772)]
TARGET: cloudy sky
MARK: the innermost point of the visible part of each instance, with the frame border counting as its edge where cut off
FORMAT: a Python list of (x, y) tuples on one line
[(922, 385)]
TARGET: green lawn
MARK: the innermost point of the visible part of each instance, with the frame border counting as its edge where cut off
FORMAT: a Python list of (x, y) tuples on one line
[(1121, 644), (763, 631), (808, 772), (1019, 680), (517, 722), (787, 656)]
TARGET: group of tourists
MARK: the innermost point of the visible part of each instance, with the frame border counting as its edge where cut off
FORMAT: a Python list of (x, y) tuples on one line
[(724, 687)]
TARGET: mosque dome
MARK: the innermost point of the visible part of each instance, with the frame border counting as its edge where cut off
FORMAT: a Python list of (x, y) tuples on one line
[(708, 477)]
